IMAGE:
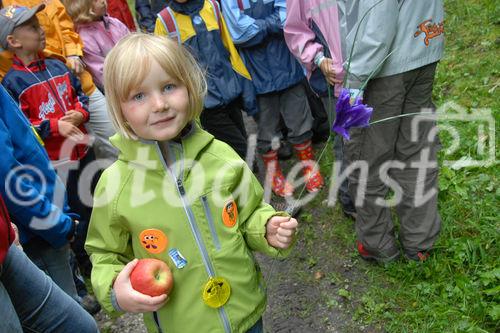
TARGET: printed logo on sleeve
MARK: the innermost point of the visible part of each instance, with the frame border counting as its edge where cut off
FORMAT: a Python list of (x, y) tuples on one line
[(430, 29)]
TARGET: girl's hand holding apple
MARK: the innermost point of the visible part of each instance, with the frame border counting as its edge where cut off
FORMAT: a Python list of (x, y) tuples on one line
[(131, 300)]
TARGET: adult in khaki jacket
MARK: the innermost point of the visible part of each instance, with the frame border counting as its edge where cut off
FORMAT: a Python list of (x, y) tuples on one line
[(63, 43)]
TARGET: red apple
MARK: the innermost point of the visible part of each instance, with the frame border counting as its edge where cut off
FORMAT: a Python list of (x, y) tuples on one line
[(152, 277)]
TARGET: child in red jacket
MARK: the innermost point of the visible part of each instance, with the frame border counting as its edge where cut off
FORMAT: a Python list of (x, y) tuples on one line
[(48, 93), (119, 9)]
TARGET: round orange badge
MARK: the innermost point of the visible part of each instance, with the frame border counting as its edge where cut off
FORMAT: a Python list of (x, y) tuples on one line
[(153, 240), (230, 214)]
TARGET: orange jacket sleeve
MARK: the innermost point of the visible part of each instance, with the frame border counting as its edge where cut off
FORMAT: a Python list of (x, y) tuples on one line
[(72, 42)]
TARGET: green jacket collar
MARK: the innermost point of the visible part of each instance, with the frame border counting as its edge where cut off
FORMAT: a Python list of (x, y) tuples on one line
[(145, 152)]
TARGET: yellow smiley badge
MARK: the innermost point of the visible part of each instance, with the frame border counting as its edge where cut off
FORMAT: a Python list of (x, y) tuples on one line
[(153, 240), (230, 214), (216, 292)]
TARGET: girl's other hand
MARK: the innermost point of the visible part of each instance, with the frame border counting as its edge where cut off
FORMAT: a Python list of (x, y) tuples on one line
[(280, 231), (131, 300)]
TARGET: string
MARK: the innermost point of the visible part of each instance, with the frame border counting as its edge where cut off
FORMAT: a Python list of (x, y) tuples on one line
[(291, 209), (401, 116)]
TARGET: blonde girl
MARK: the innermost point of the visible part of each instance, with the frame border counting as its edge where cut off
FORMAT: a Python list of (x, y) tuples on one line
[(178, 195)]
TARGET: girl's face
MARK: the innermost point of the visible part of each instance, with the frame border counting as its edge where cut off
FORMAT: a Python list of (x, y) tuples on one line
[(158, 108), (99, 7)]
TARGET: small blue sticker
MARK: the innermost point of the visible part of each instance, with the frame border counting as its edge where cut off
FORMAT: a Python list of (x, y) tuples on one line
[(177, 258), (197, 20)]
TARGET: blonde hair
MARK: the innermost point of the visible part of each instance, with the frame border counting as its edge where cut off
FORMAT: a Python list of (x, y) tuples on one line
[(128, 63), (80, 11)]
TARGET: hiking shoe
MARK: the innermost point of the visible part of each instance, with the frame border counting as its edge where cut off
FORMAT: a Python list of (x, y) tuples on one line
[(285, 150), (349, 211), (280, 186), (310, 169), (380, 257), (90, 304), (420, 256)]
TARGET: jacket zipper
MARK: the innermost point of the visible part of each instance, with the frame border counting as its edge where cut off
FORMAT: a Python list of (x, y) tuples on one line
[(53, 90), (156, 319), (195, 231), (210, 220)]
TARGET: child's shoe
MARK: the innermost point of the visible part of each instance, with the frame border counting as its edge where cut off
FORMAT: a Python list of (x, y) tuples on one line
[(90, 304), (314, 180), (420, 256), (279, 184), (380, 257), (285, 150), (350, 211)]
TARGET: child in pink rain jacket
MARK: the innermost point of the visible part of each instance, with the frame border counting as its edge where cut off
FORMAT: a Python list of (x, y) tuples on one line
[(313, 35), (98, 31)]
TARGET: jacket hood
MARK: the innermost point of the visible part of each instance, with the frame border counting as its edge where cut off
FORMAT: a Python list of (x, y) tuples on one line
[(142, 152)]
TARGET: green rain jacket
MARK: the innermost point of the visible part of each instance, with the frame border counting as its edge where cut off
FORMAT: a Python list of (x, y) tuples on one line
[(185, 202)]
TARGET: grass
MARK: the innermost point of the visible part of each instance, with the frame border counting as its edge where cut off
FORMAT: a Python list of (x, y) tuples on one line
[(458, 288)]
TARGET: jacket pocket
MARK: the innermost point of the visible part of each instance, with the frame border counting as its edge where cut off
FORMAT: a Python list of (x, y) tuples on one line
[(210, 220)]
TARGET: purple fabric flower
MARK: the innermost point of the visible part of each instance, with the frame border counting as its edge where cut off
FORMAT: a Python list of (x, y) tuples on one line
[(347, 115)]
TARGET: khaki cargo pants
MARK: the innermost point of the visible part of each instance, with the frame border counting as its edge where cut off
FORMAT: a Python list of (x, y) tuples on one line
[(398, 154)]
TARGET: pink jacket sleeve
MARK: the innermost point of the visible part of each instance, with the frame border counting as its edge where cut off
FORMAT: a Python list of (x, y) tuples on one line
[(97, 43), (95, 62), (299, 36)]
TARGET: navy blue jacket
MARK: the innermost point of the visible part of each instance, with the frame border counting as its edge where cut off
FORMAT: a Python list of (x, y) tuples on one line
[(257, 31), (146, 11), (34, 194), (210, 43)]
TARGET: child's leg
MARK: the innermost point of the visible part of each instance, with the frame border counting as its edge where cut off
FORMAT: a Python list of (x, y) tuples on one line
[(373, 146), (294, 109), (420, 221), (54, 262), (10, 321), (296, 114), (77, 206), (268, 131), (226, 124), (40, 305), (257, 328), (100, 126), (268, 128)]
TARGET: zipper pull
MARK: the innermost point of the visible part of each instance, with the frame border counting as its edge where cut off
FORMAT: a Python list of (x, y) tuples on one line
[(181, 187)]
